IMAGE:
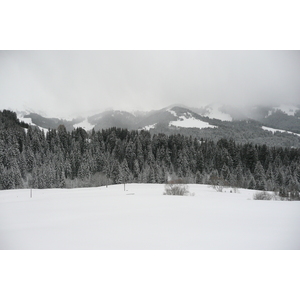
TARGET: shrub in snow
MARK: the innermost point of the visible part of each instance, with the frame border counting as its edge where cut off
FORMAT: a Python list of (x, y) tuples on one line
[(217, 183), (176, 189), (234, 190), (262, 196), (218, 188)]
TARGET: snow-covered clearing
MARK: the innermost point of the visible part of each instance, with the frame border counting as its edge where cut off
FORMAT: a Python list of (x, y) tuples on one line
[(85, 124), (190, 122), (148, 127), (172, 112), (273, 130), (29, 122), (143, 218)]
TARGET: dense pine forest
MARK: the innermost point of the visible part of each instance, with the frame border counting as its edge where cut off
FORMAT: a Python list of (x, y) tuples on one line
[(31, 158)]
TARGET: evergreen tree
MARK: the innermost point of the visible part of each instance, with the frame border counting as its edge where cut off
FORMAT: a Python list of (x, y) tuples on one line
[(200, 161), (124, 172), (34, 182), (62, 180), (136, 168), (84, 170), (199, 177), (251, 183), (259, 176), (152, 177), (251, 157), (7, 179), (146, 174)]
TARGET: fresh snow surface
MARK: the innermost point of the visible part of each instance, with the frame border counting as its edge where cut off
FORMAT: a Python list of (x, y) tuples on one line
[(280, 130), (190, 122), (172, 112), (84, 124), (214, 112), (148, 127), (141, 217)]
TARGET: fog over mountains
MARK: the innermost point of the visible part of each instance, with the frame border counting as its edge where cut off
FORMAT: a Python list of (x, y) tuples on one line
[(67, 83), (184, 116), (273, 125), (243, 95)]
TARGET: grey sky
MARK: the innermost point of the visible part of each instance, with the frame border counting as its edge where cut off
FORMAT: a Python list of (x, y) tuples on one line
[(71, 82)]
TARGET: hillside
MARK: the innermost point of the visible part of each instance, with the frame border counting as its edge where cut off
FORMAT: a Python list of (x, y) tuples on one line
[(273, 126)]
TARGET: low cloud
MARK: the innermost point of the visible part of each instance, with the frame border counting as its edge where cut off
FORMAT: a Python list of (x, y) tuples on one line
[(73, 82)]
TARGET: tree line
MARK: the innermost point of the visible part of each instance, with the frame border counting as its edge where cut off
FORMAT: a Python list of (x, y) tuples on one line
[(31, 158)]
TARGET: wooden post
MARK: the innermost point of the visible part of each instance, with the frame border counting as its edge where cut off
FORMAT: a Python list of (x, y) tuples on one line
[(30, 193)]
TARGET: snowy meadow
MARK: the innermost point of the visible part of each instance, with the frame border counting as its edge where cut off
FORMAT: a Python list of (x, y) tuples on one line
[(141, 217)]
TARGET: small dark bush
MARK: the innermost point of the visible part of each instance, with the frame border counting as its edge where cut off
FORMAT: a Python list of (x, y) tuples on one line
[(176, 189), (262, 196)]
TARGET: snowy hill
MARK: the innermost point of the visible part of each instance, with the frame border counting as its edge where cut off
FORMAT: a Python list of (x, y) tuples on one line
[(188, 119), (45, 123), (175, 116), (113, 118), (283, 117), (213, 121), (141, 217), (27, 119)]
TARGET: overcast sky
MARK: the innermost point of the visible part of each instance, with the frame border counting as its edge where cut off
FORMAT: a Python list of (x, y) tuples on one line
[(62, 83)]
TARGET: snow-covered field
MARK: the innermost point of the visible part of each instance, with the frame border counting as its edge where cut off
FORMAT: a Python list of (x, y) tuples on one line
[(143, 218)]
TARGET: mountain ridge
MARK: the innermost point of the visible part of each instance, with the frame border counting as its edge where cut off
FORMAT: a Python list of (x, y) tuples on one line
[(273, 125)]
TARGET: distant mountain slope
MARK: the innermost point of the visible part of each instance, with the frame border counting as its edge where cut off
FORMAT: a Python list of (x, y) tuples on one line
[(221, 112), (281, 120), (282, 117), (49, 123), (179, 117), (276, 126), (113, 118), (9, 120)]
